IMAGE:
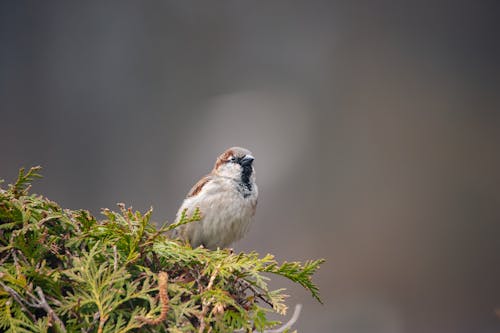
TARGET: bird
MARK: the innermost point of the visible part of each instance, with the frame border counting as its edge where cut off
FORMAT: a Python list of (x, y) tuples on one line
[(226, 199)]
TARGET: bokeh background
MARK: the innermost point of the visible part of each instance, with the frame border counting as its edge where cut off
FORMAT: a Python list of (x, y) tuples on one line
[(375, 126)]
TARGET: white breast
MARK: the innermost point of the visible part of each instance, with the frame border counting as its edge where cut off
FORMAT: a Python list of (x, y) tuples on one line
[(226, 213)]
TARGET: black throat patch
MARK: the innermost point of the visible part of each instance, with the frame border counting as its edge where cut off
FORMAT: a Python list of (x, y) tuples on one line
[(245, 185)]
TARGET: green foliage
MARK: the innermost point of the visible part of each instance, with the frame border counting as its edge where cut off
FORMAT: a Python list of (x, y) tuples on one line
[(65, 271)]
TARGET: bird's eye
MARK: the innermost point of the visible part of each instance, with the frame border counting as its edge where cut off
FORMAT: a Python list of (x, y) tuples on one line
[(231, 159)]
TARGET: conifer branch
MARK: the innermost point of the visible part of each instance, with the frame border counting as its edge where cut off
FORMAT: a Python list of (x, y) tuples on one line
[(68, 270)]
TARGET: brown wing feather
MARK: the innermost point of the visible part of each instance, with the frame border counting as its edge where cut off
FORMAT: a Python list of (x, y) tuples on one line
[(198, 186)]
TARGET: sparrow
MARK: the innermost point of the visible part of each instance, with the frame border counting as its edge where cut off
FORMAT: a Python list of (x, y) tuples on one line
[(226, 198)]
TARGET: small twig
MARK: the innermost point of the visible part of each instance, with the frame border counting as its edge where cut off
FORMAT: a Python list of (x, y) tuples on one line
[(115, 258), (44, 305), (47, 219), (16, 260), (205, 304), (162, 286), (21, 254), (213, 276), (18, 299), (4, 258), (257, 294), (35, 303), (163, 229)]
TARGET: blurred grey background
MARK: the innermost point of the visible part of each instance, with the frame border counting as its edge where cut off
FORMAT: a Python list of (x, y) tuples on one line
[(375, 126)]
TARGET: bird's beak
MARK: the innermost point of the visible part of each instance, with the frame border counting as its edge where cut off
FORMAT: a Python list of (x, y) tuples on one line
[(247, 160)]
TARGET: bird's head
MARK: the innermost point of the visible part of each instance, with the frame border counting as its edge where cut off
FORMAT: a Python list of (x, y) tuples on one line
[(236, 163)]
